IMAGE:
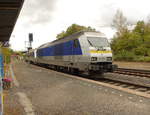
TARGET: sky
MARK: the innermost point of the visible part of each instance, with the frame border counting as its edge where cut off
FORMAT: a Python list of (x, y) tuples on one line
[(46, 18)]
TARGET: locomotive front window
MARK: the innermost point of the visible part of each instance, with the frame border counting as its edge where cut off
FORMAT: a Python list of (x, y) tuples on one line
[(98, 41)]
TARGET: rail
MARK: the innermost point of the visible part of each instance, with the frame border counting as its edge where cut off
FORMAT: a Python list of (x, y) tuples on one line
[(134, 72)]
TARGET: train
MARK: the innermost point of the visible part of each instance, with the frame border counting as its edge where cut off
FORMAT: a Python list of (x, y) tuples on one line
[(84, 52)]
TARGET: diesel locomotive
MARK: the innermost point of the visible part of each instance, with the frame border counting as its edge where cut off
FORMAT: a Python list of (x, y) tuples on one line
[(85, 52)]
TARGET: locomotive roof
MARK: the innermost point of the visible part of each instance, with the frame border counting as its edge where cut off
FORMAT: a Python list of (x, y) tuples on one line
[(77, 34)]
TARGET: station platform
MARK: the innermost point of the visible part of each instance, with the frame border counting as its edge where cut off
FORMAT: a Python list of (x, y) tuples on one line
[(50, 93)]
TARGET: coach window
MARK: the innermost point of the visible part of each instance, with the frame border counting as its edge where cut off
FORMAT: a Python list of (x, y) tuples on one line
[(76, 43)]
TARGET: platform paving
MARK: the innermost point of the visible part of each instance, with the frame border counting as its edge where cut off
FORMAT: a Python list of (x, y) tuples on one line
[(54, 94)]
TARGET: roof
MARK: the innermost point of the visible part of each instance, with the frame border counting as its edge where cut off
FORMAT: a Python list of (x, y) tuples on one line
[(9, 12), (71, 37), (76, 34), (44, 45)]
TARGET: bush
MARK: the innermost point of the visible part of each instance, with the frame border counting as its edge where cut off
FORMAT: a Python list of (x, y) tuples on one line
[(6, 54), (141, 50), (148, 52), (124, 56), (7, 59), (143, 59)]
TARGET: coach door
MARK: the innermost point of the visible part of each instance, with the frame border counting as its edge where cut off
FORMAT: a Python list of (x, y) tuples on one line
[(76, 50)]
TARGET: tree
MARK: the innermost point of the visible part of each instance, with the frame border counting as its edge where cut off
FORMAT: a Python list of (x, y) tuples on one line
[(73, 29), (140, 27), (133, 45), (120, 22), (61, 35), (148, 19)]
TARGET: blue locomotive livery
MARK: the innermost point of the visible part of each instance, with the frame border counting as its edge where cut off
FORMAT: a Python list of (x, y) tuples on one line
[(84, 52), (62, 49)]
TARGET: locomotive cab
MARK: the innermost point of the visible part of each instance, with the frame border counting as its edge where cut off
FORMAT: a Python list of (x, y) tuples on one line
[(100, 54)]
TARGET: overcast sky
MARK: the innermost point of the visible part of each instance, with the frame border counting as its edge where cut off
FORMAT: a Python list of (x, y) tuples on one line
[(46, 18)]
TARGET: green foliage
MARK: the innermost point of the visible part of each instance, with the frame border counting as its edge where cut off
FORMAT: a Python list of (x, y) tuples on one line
[(143, 59), (124, 55), (6, 54), (73, 29), (133, 45)]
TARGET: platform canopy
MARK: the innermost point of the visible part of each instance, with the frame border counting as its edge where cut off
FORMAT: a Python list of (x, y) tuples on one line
[(9, 12)]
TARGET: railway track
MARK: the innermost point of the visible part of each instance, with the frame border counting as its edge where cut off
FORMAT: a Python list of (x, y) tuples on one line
[(135, 87), (134, 72)]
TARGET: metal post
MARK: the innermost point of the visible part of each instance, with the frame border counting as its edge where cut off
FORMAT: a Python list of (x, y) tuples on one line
[(1, 65), (1, 84)]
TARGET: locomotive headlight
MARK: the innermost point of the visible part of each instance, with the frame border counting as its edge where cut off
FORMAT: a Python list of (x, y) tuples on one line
[(109, 58), (93, 58)]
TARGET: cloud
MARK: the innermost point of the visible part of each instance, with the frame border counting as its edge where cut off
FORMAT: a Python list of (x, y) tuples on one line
[(133, 12), (46, 18), (37, 11), (107, 13)]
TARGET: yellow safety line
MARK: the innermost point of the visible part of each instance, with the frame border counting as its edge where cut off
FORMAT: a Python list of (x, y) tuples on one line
[(95, 51)]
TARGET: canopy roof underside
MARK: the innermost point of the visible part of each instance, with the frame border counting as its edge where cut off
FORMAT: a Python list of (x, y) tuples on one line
[(9, 12)]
